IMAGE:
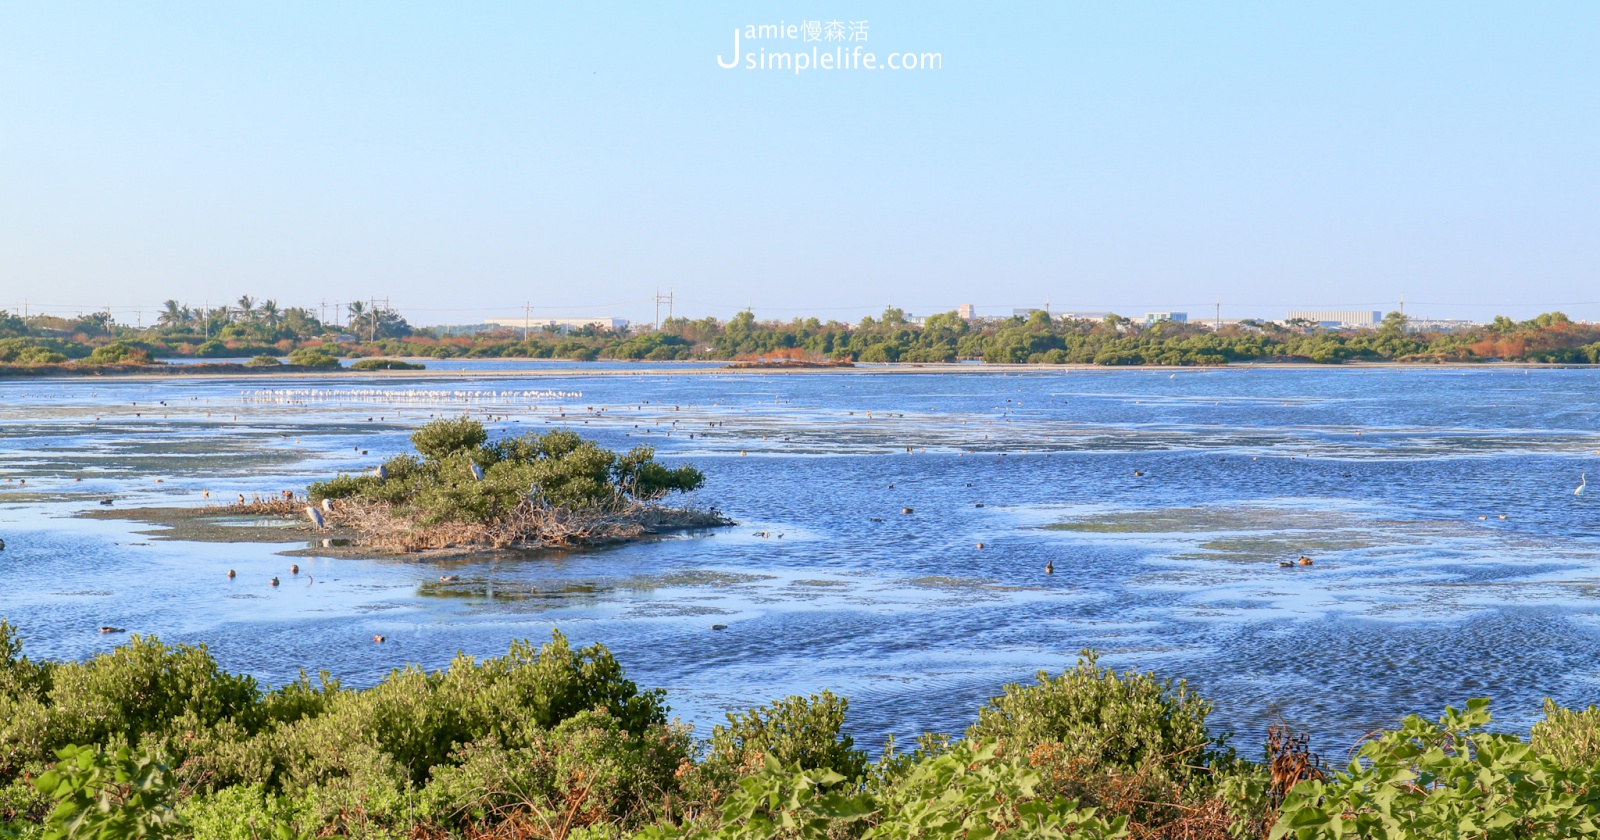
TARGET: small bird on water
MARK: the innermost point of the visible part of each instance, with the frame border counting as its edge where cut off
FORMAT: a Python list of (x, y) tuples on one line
[(1049, 567)]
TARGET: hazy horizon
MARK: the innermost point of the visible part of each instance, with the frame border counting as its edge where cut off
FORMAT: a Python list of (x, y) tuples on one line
[(465, 161)]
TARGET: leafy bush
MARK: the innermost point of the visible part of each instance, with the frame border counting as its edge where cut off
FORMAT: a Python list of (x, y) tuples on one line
[(442, 438), (969, 791), (417, 746), (1124, 722), (264, 361), (1131, 741), (385, 364), (1447, 779), (118, 353), (804, 731), (308, 357), (108, 794), (556, 469), (21, 351), (1572, 738)]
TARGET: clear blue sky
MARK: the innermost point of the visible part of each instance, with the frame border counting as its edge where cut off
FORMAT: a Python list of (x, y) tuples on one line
[(462, 158)]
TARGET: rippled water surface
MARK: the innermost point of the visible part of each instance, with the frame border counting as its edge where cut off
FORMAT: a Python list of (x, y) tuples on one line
[(1452, 558)]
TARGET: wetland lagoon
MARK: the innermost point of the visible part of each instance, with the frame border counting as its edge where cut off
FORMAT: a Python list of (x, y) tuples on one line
[(1451, 557)]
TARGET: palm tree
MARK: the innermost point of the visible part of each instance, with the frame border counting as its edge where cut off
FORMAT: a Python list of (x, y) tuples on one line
[(269, 313), (173, 315), (247, 308), (358, 314)]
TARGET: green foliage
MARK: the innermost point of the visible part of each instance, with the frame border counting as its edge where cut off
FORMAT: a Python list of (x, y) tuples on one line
[(778, 802), (118, 353), (966, 793), (441, 746), (440, 439), (1571, 738), (556, 743), (972, 791), (245, 812), (385, 364), (108, 795), (1103, 723), (307, 357), (23, 351), (264, 361), (1449, 779), (554, 469), (804, 731)]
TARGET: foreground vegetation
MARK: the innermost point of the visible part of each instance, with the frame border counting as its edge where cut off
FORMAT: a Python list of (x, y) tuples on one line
[(461, 489), (150, 740), (261, 329)]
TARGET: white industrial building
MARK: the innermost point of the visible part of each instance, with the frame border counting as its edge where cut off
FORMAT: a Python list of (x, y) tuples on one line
[(1336, 318), (1151, 318), (559, 324)]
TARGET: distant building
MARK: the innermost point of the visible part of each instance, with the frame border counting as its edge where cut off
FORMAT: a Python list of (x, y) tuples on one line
[(560, 324), (967, 311), (1085, 316), (1334, 318), (1157, 317)]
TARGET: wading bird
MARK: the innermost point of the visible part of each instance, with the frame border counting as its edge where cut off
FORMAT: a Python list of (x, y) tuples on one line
[(1583, 481)]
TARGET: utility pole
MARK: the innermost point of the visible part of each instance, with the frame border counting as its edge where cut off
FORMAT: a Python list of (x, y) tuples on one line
[(372, 318), (659, 299), (1218, 327), (526, 307), (1402, 303)]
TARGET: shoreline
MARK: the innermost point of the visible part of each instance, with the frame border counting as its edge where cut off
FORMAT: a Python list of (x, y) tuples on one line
[(200, 371)]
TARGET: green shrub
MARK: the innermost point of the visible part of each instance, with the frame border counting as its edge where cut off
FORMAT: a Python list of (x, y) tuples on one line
[(442, 438), (264, 361), (118, 353), (557, 469), (308, 357), (385, 364), (244, 812), (22, 351), (1446, 779), (1571, 738), (108, 795), (141, 693), (803, 731), (1092, 730), (975, 790)]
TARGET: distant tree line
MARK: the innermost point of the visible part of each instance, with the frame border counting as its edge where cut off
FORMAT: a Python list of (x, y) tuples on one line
[(257, 328)]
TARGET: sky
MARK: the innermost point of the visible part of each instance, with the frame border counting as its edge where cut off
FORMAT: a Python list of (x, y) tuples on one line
[(466, 160)]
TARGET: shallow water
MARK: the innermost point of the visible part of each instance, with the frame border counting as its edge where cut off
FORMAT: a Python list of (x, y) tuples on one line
[(1394, 481)]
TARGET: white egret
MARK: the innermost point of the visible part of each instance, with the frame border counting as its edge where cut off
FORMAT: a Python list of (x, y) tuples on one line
[(1583, 481)]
